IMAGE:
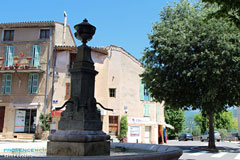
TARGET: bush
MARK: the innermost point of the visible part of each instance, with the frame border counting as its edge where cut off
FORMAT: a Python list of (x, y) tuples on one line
[(45, 121), (123, 127)]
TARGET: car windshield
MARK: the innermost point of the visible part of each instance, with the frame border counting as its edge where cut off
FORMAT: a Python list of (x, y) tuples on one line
[(189, 134)]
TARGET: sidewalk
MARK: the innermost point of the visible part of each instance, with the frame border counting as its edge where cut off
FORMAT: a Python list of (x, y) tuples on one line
[(20, 140)]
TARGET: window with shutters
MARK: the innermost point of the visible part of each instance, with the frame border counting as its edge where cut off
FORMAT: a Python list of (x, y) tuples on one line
[(33, 83), (9, 54), (8, 35), (146, 110), (68, 90), (6, 84), (44, 33), (36, 53), (144, 92)]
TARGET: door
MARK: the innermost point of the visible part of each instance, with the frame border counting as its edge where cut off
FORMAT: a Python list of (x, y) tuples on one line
[(2, 113), (113, 125), (147, 135)]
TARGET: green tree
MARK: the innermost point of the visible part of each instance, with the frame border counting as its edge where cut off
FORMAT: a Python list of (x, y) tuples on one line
[(176, 118), (196, 131), (223, 120), (192, 63), (201, 122), (123, 127), (229, 9)]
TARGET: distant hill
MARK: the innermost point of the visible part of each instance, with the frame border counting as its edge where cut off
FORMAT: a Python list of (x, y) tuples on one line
[(189, 117)]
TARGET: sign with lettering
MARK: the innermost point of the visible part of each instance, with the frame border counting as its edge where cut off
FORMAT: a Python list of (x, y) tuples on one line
[(134, 131), (20, 121)]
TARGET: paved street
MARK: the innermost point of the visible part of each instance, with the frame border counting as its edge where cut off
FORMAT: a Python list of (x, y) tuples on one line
[(232, 151)]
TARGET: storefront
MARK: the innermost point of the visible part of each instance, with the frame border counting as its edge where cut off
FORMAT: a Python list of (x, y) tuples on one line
[(25, 121), (142, 130), (25, 118)]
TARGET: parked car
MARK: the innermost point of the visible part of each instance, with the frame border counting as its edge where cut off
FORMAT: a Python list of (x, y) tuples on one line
[(205, 136), (185, 137)]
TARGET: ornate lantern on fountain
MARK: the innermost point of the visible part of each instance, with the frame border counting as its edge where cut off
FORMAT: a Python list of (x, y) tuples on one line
[(80, 127)]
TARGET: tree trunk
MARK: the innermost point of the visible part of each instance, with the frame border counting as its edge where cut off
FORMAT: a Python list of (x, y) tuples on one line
[(211, 142)]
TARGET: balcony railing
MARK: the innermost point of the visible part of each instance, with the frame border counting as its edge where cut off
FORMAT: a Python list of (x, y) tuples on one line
[(18, 66)]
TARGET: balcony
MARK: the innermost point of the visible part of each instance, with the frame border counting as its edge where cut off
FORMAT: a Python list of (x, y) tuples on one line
[(20, 66), (21, 69)]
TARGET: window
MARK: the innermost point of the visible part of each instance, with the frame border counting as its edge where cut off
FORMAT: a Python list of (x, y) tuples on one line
[(6, 84), (112, 92), (68, 90), (36, 53), (33, 83), (146, 110), (9, 54), (159, 114), (25, 121), (44, 33), (144, 92), (8, 35)]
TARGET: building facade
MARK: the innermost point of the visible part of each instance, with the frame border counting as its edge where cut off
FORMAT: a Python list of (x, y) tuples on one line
[(27, 51), (117, 86), (35, 58)]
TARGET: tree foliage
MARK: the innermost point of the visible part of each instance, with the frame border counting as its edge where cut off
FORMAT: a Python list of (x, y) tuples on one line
[(192, 63), (123, 127), (176, 118), (229, 9), (223, 120)]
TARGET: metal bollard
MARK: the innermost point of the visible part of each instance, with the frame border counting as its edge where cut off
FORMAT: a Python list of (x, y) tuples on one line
[(34, 138)]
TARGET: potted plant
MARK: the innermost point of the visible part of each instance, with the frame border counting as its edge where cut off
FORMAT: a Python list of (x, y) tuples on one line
[(11, 67), (29, 58), (123, 129), (2, 58), (26, 67), (17, 65), (21, 67), (45, 121), (33, 67), (6, 67), (16, 58)]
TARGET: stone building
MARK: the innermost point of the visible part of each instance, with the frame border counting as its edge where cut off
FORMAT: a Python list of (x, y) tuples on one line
[(27, 51), (117, 86)]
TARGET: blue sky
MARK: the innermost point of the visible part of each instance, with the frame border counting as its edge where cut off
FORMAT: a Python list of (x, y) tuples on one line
[(123, 23)]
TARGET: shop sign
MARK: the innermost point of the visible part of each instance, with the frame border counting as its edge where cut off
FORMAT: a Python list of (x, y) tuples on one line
[(20, 121), (139, 120), (134, 131), (55, 101)]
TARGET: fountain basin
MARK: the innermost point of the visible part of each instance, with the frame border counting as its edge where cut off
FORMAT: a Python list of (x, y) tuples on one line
[(142, 152)]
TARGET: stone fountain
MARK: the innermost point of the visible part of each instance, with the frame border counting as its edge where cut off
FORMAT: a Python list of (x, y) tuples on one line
[(80, 127)]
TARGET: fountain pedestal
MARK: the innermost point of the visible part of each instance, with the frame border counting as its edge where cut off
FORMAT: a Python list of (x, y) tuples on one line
[(80, 127)]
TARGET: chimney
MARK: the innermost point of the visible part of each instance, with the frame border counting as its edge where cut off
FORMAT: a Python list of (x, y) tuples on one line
[(64, 27)]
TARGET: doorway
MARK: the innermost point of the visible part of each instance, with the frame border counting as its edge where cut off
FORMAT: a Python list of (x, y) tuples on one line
[(113, 125), (147, 135), (2, 114)]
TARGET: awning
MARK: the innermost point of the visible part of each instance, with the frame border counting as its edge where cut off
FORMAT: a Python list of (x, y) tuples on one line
[(56, 113), (166, 125), (27, 106)]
